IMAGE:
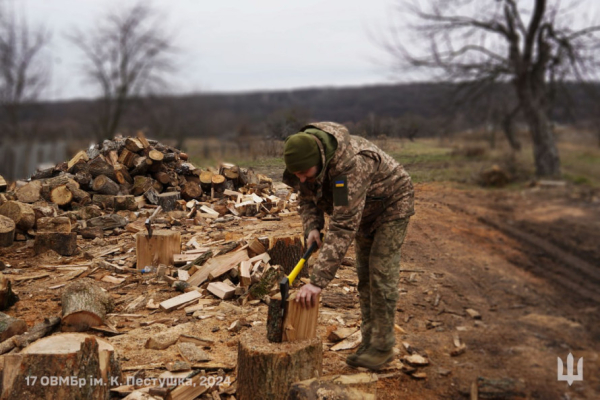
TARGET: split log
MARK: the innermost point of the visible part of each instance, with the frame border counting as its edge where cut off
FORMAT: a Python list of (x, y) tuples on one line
[(84, 304), (341, 387), (21, 214), (159, 249), (7, 231), (127, 158), (280, 365), (80, 196), (140, 166), (225, 262), (230, 171), (104, 185), (287, 251), (125, 203), (2, 184), (151, 195), (61, 196), (142, 138), (122, 175), (299, 324), (7, 296), (79, 158), (133, 145), (64, 244), (168, 200), (92, 233), (10, 327), (56, 224), (104, 201), (221, 290), (191, 191), (68, 356), (30, 193)]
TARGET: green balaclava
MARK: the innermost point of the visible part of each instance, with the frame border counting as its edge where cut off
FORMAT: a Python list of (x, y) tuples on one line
[(301, 152)]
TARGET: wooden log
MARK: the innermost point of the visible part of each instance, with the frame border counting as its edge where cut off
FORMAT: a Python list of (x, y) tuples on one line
[(156, 156), (92, 233), (107, 222), (7, 296), (280, 365), (80, 196), (2, 184), (340, 387), (104, 201), (228, 263), (122, 175), (159, 249), (55, 224), (21, 214), (30, 193), (38, 331), (10, 327), (299, 324), (7, 231), (206, 180), (141, 184), (133, 145), (64, 244), (84, 304), (162, 177), (142, 138), (68, 356), (191, 191), (84, 179), (61, 196), (79, 158), (99, 166), (104, 185), (139, 166), (218, 183), (287, 251), (168, 200), (127, 158), (125, 203)]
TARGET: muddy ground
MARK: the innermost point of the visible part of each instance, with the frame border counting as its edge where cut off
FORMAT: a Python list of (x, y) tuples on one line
[(527, 260)]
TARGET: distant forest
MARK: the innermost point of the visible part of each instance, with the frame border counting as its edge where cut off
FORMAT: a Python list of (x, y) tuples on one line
[(403, 110)]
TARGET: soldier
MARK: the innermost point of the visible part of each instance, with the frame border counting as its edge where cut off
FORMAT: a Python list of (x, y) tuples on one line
[(369, 197)]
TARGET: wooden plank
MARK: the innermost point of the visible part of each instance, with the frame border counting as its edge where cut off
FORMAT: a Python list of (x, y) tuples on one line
[(300, 323), (245, 278), (264, 257), (209, 210), (350, 342), (179, 300)]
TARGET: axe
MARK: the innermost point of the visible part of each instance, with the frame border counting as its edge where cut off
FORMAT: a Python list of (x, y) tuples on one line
[(149, 221)]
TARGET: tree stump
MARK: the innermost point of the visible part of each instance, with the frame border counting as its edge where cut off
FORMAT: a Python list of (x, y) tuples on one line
[(287, 251), (7, 296), (159, 249), (168, 200), (90, 361), (7, 231), (104, 185), (84, 304), (267, 370), (10, 327), (21, 214), (64, 244)]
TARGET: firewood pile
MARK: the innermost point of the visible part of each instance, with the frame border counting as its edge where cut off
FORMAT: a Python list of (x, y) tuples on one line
[(98, 189)]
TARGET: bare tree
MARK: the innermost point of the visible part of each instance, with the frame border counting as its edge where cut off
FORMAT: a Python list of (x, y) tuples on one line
[(126, 56), (23, 72), (531, 44)]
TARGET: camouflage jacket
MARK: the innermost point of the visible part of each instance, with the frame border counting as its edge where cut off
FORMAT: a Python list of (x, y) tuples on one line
[(360, 188)]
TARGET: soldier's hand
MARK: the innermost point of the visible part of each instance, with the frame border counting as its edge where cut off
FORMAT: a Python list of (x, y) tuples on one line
[(312, 236), (308, 295)]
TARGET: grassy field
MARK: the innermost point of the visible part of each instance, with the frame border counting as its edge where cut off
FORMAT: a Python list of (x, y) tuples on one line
[(459, 161)]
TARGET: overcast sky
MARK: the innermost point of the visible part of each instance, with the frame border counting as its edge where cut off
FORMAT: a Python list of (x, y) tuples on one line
[(237, 45)]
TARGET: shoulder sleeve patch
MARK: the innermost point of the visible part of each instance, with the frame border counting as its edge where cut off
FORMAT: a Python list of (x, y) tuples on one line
[(340, 191)]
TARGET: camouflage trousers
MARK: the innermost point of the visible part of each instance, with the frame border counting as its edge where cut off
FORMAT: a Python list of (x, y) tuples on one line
[(378, 269)]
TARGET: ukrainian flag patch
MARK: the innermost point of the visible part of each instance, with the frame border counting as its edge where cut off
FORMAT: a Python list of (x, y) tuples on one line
[(340, 191)]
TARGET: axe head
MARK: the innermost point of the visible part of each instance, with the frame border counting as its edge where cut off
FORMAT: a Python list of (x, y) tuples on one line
[(149, 228)]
